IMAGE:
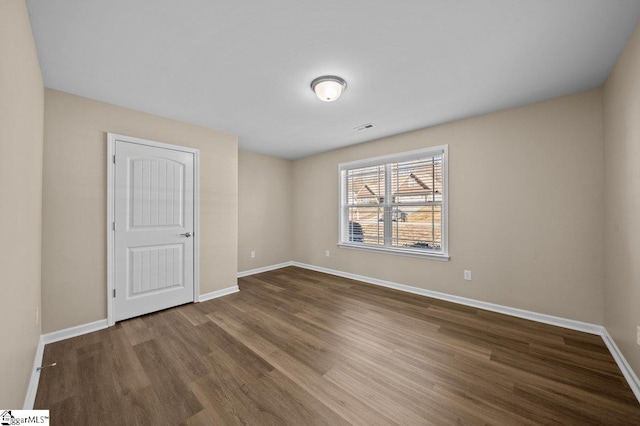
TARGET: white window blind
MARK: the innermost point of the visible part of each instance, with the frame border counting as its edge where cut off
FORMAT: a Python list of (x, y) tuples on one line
[(396, 203)]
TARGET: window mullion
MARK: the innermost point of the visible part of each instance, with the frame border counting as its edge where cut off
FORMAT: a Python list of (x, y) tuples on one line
[(388, 195)]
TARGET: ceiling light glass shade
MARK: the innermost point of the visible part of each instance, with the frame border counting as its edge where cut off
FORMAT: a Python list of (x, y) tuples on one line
[(328, 88)]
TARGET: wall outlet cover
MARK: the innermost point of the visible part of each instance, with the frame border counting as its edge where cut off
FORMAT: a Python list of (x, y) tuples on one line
[(467, 275)]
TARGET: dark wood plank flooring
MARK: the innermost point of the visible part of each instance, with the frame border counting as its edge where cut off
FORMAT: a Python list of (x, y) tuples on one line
[(299, 347)]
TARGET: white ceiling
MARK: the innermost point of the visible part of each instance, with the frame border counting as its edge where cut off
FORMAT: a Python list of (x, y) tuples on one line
[(245, 66)]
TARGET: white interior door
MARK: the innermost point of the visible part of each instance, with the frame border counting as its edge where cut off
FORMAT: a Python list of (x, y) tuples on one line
[(154, 228)]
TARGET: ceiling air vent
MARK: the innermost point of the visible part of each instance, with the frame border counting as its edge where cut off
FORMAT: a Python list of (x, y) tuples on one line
[(363, 127)]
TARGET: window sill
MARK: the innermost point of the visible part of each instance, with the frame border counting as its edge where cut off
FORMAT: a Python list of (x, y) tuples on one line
[(398, 251)]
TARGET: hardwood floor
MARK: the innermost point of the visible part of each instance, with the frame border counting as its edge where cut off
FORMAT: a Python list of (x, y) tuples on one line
[(300, 347)]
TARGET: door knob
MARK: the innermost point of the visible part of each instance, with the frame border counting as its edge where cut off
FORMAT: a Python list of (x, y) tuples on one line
[(188, 234)]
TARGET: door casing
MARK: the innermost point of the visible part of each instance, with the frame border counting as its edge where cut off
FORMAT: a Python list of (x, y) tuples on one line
[(111, 143)]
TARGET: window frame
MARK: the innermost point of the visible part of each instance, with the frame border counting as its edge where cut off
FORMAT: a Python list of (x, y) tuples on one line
[(386, 160)]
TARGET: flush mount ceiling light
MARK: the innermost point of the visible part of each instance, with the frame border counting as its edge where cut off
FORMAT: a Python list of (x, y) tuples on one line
[(328, 88)]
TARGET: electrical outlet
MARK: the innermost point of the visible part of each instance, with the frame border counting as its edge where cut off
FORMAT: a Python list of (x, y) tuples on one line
[(253, 254), (467, 275), (327, 253), (37, 315), (638, 336)]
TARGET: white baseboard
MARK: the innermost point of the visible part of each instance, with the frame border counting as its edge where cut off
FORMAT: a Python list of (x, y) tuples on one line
[(624, 366), (218, 293), (596, 329), (78, 330), (520, 313), (600, 330), (30, 397), (56, 336), (264, 269)]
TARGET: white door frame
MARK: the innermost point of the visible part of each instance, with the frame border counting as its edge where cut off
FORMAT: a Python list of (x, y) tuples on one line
[(111, 145)]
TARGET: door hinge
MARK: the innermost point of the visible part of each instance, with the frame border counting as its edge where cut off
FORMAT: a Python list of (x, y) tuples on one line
[(114, 226), (114, 159), (114, 292)]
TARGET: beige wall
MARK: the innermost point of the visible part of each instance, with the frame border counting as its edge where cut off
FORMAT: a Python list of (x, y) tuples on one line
[(265, 210), (621, 113), (74, 241), (21, 108), (526, 214)]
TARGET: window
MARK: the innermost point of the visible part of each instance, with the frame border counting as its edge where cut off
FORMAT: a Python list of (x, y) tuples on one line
[(396, 203)]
